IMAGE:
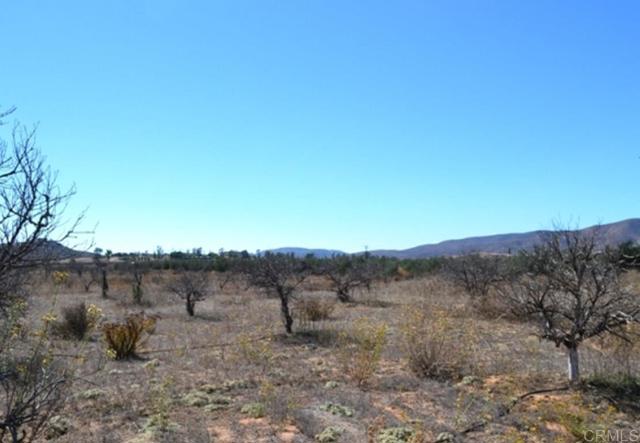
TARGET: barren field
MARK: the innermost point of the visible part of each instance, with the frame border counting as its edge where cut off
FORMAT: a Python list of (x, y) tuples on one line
[(230, 374)]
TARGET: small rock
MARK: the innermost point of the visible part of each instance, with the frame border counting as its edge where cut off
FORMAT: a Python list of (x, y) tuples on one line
[(331, 384)]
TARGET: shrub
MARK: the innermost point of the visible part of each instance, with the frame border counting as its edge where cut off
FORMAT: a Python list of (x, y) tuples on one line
[(278, 402), (124, 339), (314, 309), (258, 352), (437, 345), (362, 348), (33, 390), (77, 321)]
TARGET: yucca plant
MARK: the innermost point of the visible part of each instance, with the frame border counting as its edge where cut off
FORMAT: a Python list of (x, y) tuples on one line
[(125, 339)]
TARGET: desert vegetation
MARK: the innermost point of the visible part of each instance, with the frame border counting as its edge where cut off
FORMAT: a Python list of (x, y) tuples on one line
[(97, 346), (274, 354)]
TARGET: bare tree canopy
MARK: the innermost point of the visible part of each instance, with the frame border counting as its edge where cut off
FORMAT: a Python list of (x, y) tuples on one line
[(279, 275), (31, 209), (192, 287), (573, 290), (31, 206), (475, 273), (347, 273)]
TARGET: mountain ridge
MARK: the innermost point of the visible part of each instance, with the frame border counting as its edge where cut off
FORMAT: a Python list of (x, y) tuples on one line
[(612, 234)]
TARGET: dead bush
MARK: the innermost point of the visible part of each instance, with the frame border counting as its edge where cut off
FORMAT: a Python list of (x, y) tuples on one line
[(492, 306), (311, 309), (361, 349), (125, 339), (77, 321), (437, 345), (33, 390)]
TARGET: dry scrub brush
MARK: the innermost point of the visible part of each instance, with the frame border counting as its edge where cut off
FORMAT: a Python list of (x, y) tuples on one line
[(78, 321), (360, 349), (438, 345), (313, 309)]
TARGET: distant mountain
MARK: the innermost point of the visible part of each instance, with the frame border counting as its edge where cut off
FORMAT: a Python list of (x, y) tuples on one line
[(56, 251), (611, 234), (303, 252)]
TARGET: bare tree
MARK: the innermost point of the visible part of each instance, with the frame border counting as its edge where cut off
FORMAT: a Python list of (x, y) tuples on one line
[(475, 273), (279, 275), (102, 272), (192, 287), (573, 290), (347, 273), (31, 209), (139, 267)]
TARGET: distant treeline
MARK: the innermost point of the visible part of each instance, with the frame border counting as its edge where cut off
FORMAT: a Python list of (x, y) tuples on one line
[(232, 260), (628, 255)]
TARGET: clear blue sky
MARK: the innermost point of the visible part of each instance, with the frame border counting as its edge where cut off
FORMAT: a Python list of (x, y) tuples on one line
[(258, 124)]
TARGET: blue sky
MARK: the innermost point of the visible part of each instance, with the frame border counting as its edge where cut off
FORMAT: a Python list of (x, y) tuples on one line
[(258, 124)]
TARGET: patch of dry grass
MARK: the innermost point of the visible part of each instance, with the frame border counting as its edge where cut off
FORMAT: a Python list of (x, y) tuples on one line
[(234, 354)]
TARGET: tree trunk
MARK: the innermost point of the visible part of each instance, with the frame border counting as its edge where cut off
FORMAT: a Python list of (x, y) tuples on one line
[(190, 307), (343, 296), (286, 315), (574, 364), (105, 284)]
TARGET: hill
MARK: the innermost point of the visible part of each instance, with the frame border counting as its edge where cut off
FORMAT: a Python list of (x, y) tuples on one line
[(611, 234), (52, 250)]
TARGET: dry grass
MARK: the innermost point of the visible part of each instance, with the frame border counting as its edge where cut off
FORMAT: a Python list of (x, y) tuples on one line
[(233, 353)]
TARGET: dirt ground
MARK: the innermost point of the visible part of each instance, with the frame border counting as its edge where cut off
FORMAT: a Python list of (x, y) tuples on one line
[(229, 374)]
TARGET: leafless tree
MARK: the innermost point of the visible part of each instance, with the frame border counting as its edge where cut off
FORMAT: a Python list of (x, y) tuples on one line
[(475, 273), (31, 220), (102, 268), (347, 273), (31, 209), (279, 275), (139, 267), (192, 287), (573, 290)]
